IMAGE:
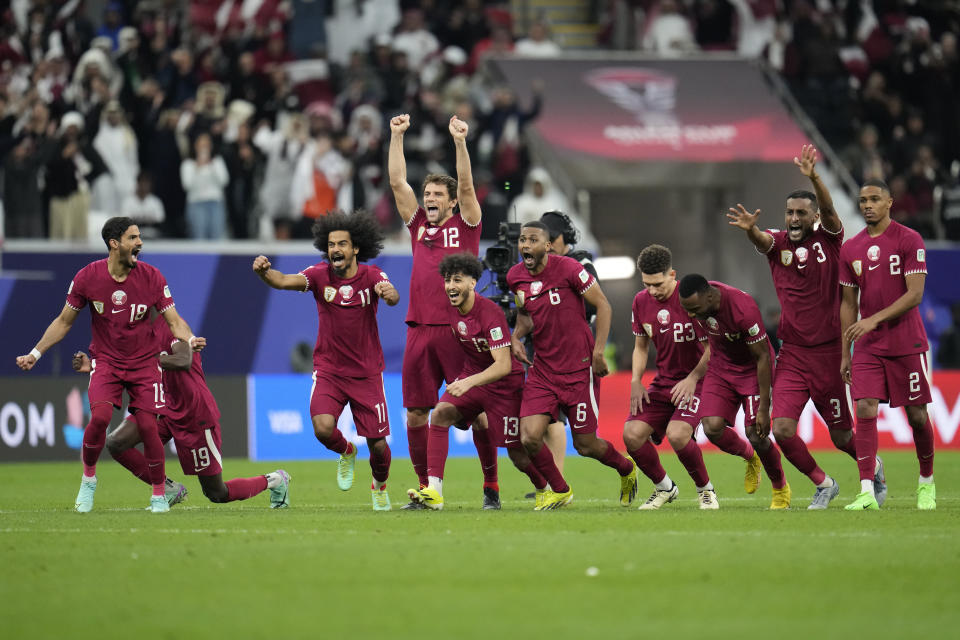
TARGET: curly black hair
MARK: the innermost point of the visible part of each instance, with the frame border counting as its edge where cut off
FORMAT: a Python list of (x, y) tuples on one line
[(365, 232), (464, 263), (654, 259)]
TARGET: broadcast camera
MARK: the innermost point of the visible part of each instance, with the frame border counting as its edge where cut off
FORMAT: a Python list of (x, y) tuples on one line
[(498, 260)]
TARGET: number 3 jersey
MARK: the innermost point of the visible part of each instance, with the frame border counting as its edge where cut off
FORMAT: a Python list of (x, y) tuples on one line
[(119, 311), (676, 336), (805, 276), (348, 341), (562, 340), (879, 266), (481, 329)]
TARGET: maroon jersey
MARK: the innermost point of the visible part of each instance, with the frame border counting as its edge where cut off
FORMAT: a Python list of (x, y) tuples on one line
[(736, 325), (122, 332), (878, 266), (805, 277), (348, 341), (190, 405), (562, 338), (675, 334), (481, 330), (431, 244)]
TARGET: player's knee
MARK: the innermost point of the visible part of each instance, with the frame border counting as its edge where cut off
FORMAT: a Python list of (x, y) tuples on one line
[(678, 439), (377, 446), (114, 445), (584, 447), (519, 458), (917, 418), (444, 415), (633, 436), (840, 437), (217, 495), (530, 443), (713, 429), (417, 417), (785, 429)]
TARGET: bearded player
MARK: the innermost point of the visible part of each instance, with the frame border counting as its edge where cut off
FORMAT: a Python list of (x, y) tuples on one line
[(348, 357)]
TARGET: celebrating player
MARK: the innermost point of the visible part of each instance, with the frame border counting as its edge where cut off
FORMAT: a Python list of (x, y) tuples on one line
[(431, 354), (192, 420), (886, 264), (670, 407), (739, 374), (491, 382), (120, 290), (568, 361), (348, 357), (804, 262)]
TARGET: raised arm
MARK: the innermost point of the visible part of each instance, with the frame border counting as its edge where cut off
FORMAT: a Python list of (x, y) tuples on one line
[(910, 299), (181, 330), (594, 295), (742, 219), (403, 193), (849, 308), (638, 393), (466, 194), (276, 279), (55, 333), (828, 215), (501, 366), (180, 357)]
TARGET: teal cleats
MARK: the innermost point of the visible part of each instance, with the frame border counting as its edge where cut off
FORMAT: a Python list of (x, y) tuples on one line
[(174, 492), (381, 501), (926, 496), (85, 495), (345, 468), (159, 504), (280, 494), (865, 501)]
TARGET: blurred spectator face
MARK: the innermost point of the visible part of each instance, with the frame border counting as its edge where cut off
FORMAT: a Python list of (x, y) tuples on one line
[(500, 39), (915, 124), (278, 78), (538, 189), (400, 62), (868, 138), (323, 143), (898, 187), (925, 156), (144, 185), (503, 98), (39, 115), (111, 15), (246, 63), (948, 45), (464, 111), (114, 115), (202, 146), (876, 83), (412, 20), (276, 46), (538, 32), (668, 6), (24, 149), (183, 59)]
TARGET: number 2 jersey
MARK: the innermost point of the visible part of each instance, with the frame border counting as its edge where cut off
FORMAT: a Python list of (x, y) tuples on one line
[(562, 340), (122, 332), (348, 340), (673, 332)]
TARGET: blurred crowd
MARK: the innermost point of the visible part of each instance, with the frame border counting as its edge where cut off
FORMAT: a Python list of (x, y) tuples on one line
[(879, 78), (217, 119)]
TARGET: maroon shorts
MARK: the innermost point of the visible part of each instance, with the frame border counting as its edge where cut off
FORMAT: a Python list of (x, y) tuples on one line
[(811, 373), (501, 402), (901, 380), (432, 355), (143, 384), (724, 393), (198, 449), (661, 411), (573, 393), (330, 394)]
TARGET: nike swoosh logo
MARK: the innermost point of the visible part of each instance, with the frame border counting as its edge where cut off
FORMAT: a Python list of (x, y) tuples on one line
[(158, 406), (117, 310), (801, 266), (384, 429), (872, 267), (914, 397), (863, 458), (510, 441), (664, 330), (687, 415)]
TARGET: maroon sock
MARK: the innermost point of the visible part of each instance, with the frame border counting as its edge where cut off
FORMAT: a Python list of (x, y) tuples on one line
[(799, 456), (649, 462), (152, 450), (771, 464), (95, 435), (134, 461), (438, 444), (380, 463), (923, 440), (850, 448), (539, 482), (417, 444), (488, 457), (691, 457), (547, 467), (612, 458), (867, 446), (243, 488), (731, 442), (335, 442)]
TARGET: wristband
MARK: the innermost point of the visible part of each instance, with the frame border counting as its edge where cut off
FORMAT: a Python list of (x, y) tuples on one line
[(190, 341), (35, 353)]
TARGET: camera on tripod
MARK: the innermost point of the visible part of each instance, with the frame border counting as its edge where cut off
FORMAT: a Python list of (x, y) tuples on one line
[(498, 259)]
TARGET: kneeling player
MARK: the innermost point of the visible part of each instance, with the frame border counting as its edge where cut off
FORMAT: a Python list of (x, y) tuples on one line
[(491, 382), (193, 422)]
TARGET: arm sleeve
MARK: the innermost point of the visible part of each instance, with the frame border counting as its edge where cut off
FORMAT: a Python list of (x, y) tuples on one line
[(164, 298), (580, 279), (312, 275), (76, 296), (914, 255), (750, 322), (847, 276)]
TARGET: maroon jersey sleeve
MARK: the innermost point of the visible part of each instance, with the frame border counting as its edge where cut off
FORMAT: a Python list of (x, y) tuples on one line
[(579, 278), (848, 267), (77, 291), (748, 319), (914, 254), (316, 277), (635, 321), (495, 327), (164, 298)]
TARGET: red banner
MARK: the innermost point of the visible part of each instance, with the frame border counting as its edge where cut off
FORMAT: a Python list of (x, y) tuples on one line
[(892, 425)]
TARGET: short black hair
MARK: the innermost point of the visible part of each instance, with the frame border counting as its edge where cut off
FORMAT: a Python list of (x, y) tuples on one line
[(465, 263), (693, 283), (365, 232), (560, 224), (114, 227), (536, 224), (655, 258), (803, 193), (876, 182)]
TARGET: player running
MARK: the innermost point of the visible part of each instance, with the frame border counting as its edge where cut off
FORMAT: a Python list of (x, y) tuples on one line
[(739, 374), (670, 406), (491, 382), (192, 420), (886, 263), (804, 261), (431, 355), (348, 357), (568, 360), (120, 290)]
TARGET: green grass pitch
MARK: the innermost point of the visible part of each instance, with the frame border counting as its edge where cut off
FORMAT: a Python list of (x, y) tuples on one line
[(330, 567)]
